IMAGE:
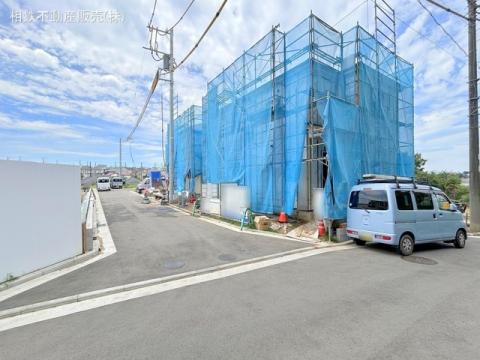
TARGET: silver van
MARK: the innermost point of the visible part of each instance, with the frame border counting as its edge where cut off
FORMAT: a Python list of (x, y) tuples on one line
[(103, 183), (116, 182), (400, 212)]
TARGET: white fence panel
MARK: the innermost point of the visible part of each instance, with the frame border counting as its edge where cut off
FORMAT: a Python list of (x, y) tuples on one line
[(40, 221)]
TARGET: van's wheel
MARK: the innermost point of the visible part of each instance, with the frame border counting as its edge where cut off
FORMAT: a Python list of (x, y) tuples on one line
[(460, 238), (405, 245), (359, 242)]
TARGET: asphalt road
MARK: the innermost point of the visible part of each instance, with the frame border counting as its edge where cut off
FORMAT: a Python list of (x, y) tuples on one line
[(153, 241), (365, 303)]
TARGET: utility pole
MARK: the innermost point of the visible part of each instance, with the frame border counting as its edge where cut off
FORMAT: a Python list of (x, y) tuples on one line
[(473, 118), (474, 186), (167, 66), (170, 128), (120, 167)]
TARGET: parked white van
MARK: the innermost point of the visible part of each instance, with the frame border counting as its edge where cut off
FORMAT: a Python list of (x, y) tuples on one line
[(399, 212), (103, 183), (116, 182), (144, 184)]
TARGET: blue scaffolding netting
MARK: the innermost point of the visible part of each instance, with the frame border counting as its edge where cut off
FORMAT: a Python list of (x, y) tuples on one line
[(336, 104), (187, 148)]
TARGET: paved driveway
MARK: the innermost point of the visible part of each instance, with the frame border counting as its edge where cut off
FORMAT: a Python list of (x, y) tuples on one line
[(153, 241)]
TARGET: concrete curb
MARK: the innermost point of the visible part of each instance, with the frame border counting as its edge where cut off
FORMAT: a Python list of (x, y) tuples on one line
[(47, 270), (132, 286), (263, 233)]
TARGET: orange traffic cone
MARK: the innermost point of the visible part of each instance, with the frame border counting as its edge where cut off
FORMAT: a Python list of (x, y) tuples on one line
[(282, 218), (321, 229)]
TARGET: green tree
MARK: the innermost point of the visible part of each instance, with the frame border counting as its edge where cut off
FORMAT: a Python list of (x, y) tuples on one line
[(419, 163), (449, 182)]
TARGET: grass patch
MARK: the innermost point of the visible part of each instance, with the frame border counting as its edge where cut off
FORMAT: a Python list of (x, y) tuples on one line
[(9, 278), (231, 221), (332, 239)]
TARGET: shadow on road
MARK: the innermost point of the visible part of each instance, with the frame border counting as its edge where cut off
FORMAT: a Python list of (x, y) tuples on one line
[(419, 248)]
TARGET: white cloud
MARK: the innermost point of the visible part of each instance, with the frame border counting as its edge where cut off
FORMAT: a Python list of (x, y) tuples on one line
[(85, 154), (29, 56), (40, 126), (101, 71)]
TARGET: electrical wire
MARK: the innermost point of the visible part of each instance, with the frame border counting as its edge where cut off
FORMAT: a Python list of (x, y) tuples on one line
[(153, 41), (436, 3), (140, 117), (428, 39), (157, 74), (181, 17), (153, 14), (131, 155), (351, 12), (443, 29), (163, 133), (217, 14)]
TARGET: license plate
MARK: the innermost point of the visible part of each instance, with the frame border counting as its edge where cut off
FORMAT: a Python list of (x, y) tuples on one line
[(366, 237)]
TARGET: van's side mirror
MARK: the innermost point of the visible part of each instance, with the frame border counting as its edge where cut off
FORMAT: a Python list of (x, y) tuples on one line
[(453, 207)]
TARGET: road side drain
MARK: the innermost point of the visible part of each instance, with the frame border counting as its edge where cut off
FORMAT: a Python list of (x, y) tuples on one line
[(173, 264), (419, 260), (227, 257)]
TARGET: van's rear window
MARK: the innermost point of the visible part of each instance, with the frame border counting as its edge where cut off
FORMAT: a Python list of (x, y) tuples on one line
[(369, 199)]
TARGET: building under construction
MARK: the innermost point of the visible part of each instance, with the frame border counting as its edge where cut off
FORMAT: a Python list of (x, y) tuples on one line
[(300, 116), (187, 150)]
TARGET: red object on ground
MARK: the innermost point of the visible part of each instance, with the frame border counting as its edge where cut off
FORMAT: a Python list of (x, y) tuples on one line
[(282, 218), (321, 228)]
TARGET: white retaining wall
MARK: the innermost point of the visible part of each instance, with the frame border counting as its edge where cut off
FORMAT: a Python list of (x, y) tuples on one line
[(234, 200), (210, 202), (40, 221)]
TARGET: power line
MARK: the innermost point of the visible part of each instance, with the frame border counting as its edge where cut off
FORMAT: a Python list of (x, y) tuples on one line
[(351, 12), (131, 155), (176, 23), (443, 29), (217, 14), (140, 117), (428, 39), (163, 135), (447, 9), (181, 17), (407, 25), (153, 13)]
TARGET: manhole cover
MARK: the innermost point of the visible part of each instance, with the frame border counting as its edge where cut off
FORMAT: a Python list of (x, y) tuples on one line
[(174, 264), (419, 260), (227, 257)]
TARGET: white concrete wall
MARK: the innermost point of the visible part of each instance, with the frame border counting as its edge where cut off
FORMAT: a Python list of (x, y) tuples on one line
[(318, 203), (39, 215), (210, 203), (234, 200)]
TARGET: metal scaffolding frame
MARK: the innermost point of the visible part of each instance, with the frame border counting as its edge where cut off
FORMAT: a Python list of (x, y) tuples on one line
[(262, 116)]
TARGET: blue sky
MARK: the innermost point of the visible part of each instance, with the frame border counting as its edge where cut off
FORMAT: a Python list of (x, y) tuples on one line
[(69, 91)]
